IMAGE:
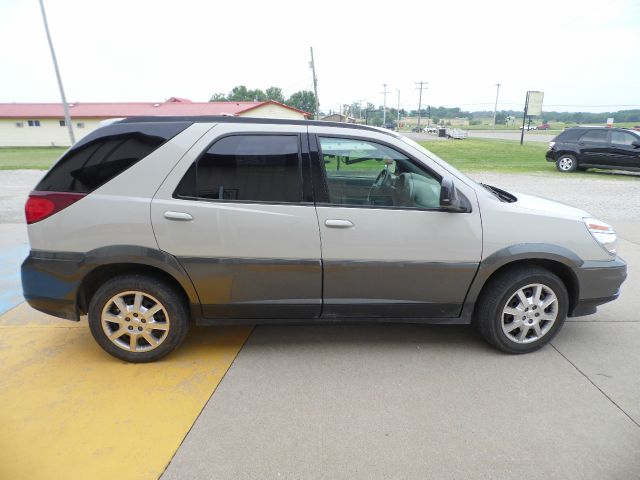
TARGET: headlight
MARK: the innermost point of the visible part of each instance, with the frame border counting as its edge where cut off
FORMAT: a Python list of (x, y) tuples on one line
[(604, 234), (551, 145)]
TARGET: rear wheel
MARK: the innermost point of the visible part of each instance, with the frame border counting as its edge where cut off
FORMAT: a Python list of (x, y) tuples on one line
[(567, 163), (138, 318), (522, 309)]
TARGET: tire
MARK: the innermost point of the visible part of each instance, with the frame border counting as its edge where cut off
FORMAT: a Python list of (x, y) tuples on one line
[(134, 333), (566, 163), (504, 330)]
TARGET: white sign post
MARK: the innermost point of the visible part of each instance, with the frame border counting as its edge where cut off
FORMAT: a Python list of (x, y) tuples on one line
[(532, 108)]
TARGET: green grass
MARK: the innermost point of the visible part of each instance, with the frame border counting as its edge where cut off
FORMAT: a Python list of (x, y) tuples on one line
[(35, 158), (479, 154)]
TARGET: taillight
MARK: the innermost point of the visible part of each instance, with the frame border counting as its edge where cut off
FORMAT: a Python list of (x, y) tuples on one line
[(41, 205)]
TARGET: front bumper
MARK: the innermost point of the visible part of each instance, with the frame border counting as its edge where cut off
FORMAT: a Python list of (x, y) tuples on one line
[(599, 282), (550, 156)]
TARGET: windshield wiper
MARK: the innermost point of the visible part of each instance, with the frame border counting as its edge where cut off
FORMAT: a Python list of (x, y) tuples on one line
[(501, 194)]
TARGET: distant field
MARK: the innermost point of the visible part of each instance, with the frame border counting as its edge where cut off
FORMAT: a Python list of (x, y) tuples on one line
[(473, 154), (36, 158)]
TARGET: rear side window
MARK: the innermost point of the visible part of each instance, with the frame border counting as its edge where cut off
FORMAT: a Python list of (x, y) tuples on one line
[(570, 135), (595, 136), (259, 168), (105, 153)]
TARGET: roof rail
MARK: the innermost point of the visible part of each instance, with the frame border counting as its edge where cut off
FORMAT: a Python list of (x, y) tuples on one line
[(263, 121)]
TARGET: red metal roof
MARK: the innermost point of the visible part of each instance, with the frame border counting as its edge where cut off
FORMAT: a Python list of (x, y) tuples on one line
[(116, 110)]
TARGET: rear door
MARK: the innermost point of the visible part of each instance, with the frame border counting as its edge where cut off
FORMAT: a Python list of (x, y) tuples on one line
[(594, 148), (238, 214), (626, 155), (388, 250)]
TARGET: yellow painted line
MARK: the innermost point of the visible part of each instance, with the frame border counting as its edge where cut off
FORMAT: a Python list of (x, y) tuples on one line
[(68, 410)]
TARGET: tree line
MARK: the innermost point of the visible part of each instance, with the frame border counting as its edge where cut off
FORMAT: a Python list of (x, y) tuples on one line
[(302, 100), (306, 100)]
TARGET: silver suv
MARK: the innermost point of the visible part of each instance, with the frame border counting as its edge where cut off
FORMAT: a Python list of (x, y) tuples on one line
[(150, 224)]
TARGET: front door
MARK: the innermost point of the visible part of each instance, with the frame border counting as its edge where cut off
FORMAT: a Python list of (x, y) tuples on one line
[(626, 155), (235, 214), (388, 250)]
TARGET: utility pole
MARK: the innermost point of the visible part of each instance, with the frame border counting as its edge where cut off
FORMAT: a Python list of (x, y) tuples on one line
[(384, 107), (315, 84), (495, 108), (67, 116), (420, 100), (398, 122), (524, 117)]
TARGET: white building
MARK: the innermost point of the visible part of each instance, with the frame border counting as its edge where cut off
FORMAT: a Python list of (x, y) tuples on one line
[(42, 124)]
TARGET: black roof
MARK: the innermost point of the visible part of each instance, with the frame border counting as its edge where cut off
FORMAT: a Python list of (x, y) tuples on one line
[(263, 121)]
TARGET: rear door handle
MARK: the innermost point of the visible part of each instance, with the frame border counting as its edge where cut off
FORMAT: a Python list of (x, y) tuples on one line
[(180, 216), (338, 223)]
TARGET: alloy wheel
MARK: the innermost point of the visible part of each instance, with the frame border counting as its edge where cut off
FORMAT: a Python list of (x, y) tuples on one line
[(530, 313), (135, 321)]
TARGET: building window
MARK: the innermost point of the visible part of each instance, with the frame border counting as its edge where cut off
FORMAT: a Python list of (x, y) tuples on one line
[(62, 123), (33, 123), (80, 124), (19, 124)]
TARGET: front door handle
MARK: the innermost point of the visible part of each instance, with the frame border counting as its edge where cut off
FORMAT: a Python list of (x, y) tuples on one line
[(338, 223), (180, 216)]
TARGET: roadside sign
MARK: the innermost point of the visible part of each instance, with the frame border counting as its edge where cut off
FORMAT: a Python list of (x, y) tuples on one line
[(610, 122), (535, 104)]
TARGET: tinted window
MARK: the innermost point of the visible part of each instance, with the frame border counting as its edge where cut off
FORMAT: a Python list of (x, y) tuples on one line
[(623, 138), (263, 168), (570, 135), (104, 154), (370, 174), (595, 136)]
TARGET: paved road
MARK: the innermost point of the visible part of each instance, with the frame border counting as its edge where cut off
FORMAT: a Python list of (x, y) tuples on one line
[(498, 134)]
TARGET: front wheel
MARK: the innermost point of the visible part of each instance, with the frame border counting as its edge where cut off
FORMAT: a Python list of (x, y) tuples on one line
[(567, 163), (522, 309), (138, 318)]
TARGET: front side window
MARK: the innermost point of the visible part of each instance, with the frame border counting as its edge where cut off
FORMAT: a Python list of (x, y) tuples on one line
[(370, 174), (595, 136), (259, 168), (623, 138)]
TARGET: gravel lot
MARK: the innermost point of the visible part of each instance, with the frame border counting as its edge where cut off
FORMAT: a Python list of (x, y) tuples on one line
[(15, 185)]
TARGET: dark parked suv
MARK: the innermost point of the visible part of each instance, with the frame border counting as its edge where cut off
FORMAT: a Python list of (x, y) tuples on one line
[(579, 148)]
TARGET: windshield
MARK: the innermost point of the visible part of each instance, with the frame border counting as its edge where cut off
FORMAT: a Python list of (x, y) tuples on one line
[(433, 156)]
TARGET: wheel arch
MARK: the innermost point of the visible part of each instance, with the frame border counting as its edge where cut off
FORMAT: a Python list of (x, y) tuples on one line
[(558, 260), (103, 264)]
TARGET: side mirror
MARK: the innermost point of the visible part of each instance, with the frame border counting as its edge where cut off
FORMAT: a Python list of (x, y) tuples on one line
[(636, 144), (449, 199)]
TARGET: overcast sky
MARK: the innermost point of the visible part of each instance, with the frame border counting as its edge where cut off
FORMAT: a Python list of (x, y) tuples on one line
[(583, 54)]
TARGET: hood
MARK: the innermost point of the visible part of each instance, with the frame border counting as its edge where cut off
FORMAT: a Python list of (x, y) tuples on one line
[(543, 205)]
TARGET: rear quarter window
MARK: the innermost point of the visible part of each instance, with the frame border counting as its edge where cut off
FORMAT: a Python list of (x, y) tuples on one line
[(570, 135), (105, 153)]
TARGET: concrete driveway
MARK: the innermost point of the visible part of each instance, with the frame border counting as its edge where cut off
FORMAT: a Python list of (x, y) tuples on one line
[(344, 402), (334, 402)]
